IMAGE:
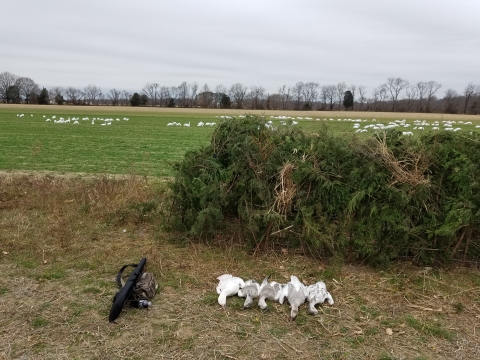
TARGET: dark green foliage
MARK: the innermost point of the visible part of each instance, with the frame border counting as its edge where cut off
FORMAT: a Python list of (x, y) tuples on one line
[(377, 199), (225, 102), (144, 99), (348, 99), (13, 95), (43, 98), (171, 102), (59, 100), (135, 99)]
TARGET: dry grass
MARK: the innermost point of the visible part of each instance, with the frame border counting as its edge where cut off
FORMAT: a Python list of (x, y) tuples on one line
[(285, 190), (62, 240), (411, 170)]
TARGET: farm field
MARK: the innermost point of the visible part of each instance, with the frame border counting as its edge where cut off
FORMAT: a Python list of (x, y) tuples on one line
[(145, 144), (63, 239)]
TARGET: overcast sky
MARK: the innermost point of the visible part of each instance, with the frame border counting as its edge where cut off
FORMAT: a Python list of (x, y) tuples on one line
[(126, 44)]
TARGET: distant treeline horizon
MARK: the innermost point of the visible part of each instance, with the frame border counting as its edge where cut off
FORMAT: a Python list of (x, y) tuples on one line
[(395, 95)]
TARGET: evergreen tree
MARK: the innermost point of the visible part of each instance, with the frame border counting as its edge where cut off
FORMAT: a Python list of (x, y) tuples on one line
[(348, 99), (225, 102), (171, 102), (43, 98), (144, 100), (59, 99), (13, 95), (135, 99)]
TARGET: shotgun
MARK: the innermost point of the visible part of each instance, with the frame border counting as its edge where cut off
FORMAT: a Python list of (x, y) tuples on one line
[(125, 292)]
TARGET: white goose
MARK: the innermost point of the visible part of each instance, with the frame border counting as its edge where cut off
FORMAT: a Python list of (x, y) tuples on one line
[(296, 294), (268, 291), (317, 294), (250, 291), (228, 285)]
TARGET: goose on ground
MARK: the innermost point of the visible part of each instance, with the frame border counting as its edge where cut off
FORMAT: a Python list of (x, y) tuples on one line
[(296, 294), (268, 291), (317, 294), (228, 285), (250, 291)]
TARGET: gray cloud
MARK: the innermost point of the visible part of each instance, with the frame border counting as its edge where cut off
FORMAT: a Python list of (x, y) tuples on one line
[(124, 44)]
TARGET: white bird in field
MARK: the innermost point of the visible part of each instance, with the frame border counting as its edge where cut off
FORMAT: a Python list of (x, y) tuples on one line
[(228, 285), (317, 294), (250, 291), (296, 294), (186, 124), (268, 291)]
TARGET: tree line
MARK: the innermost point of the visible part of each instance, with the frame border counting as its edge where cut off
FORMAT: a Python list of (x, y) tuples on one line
[(396, 94)]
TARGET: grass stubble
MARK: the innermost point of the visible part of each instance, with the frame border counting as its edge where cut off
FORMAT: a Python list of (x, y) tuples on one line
[(63, 239)]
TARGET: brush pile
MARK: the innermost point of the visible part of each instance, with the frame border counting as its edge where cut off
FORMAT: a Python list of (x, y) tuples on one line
[(372, 198)]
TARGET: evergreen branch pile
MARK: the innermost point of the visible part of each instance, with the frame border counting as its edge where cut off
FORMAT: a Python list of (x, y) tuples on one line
[(372, 199)]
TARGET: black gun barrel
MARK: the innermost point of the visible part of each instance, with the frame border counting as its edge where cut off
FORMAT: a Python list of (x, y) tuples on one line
[(125, 292)]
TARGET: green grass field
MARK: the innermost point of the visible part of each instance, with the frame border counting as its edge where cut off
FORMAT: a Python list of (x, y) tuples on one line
[(144, 145)]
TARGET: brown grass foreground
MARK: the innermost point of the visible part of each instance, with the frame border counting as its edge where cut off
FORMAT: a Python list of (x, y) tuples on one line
[(62, 240)]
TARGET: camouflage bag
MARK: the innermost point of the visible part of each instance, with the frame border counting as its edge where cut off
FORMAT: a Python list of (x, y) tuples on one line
[(144, 290)]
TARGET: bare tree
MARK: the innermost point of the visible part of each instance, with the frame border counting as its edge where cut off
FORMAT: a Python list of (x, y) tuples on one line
[(193, 93), (412, 94), (341, 87), (362, 93), (395, 86), (469, 91), (150, 89), (92, 93), (173, 94), (238, 93), (164, 95), (353, 88), (220, 90), (257, 95), (126, 96), (183, 91), (27, 87), (379, 96), (284, 96), (310, 94), (422, 91), (57, 93), (450, 101), (205, 97), (73, 95), (7, 80), (274, 101), (297, 94), (114, 96), (329, 94), (432, 87)]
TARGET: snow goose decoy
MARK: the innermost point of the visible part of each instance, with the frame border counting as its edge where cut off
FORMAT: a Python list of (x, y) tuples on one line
[(296, 294), (228, 285), (250, 291), (268, 291), (317, 294)]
